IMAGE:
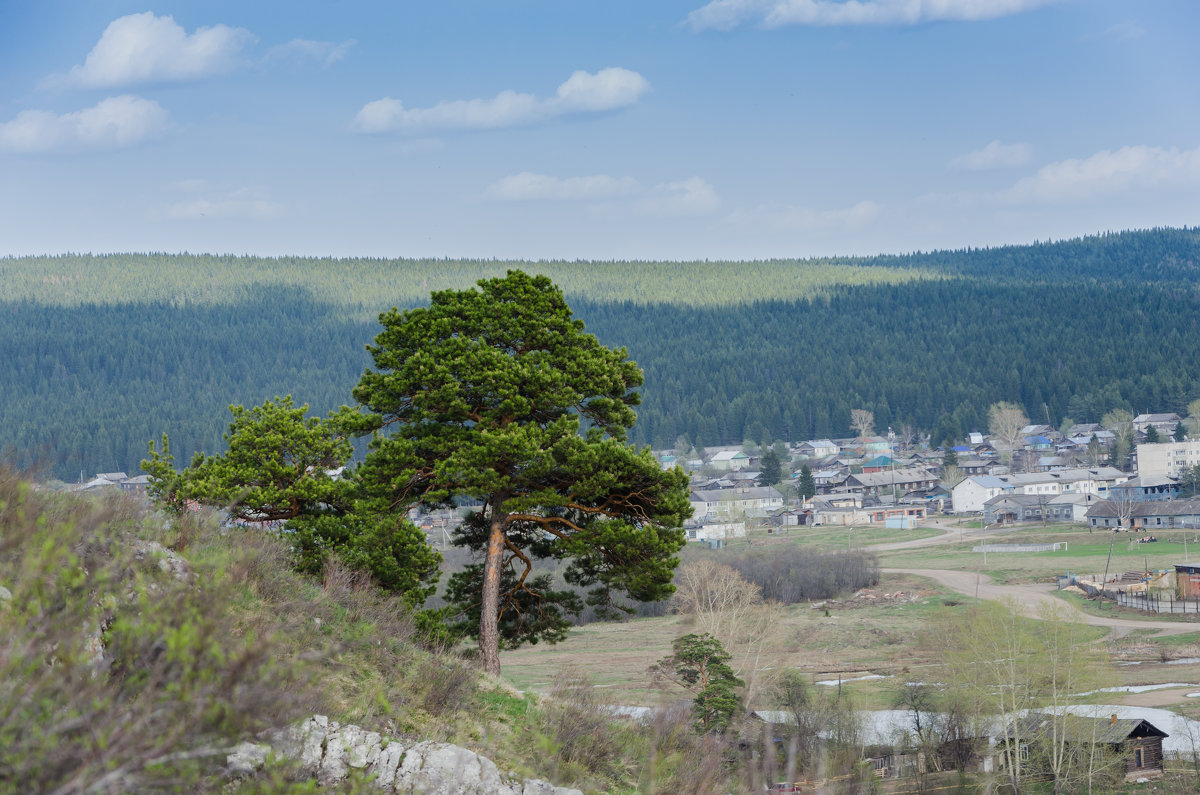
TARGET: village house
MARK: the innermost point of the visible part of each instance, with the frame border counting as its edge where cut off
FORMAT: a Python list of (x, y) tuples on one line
[(728, 460), (1161, 515), (827, 479), (713, 531), (970, 494), (898, 481), (1012, 508), (737, 503), (1071, 507), (818, 448), (1151, 488), (1164, 424), (900, 516), (1095, 481), (1136, 742)]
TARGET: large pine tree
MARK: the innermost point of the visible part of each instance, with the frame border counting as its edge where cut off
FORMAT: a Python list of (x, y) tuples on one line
[(498, 395)]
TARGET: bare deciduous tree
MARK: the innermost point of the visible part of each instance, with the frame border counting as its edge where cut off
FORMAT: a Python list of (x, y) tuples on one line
[(862, 421), (730, 609), (1005, 421)]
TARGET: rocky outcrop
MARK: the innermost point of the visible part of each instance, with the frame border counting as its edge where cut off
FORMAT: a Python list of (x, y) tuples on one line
[(330, 751)]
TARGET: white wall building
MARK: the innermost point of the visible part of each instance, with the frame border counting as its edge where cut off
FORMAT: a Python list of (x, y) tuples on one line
[(1167, 458), (716, 531), (730, 460), (1066, 481), (970, 494)]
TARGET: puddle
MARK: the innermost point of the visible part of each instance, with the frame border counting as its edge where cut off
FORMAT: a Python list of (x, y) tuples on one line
[(859, 679), (1138, 688)]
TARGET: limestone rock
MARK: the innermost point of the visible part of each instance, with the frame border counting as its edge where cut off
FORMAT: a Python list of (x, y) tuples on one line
[(247, 758), (329, 751), (168, 561)]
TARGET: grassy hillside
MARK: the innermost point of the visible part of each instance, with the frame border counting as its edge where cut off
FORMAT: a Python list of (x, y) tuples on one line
[(134, 651)]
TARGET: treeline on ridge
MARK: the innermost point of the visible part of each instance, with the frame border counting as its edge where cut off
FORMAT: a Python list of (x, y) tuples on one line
[(86, 388), (365, 286)]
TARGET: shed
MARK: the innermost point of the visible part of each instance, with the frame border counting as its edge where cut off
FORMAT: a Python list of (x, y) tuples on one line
[(1187, 578)]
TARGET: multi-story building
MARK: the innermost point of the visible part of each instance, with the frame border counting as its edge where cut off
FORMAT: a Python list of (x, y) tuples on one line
[(1167, 458)]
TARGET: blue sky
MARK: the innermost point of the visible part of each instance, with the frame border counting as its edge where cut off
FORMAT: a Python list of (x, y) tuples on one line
[(570, 129)]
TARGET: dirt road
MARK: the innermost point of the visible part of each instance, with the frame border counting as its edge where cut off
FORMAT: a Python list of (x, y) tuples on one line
[(1035, 595)]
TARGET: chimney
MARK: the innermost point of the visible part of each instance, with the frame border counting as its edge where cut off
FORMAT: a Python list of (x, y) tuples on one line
[(1113, 720)]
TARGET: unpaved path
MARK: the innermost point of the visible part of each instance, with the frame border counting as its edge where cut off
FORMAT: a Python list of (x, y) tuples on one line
[(1157, 698), (1033, 596), (951, 535)]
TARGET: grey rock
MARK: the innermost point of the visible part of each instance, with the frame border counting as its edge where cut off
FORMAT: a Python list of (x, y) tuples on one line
[(329, 751), (168, 561), (247, 758), (443, 768), (333, 767), (386, 765)]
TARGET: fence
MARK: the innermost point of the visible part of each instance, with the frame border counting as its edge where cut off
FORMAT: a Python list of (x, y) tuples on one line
[(1153, 603), (1019, 547)]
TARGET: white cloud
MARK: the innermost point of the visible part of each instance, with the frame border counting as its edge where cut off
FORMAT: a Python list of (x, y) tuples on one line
[(528, 186), (113, 123), (244, 203), (1128, 169), (1124, 31), (144, 48), (692, 196), (728, 14), (607, 89), (808, 219), (994, 155), (326, 53)]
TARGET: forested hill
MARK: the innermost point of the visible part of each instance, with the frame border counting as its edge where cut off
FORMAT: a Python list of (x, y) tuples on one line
[(100, 354)]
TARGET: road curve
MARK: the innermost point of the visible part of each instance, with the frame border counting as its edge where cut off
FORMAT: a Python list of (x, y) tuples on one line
[(1034, 595)]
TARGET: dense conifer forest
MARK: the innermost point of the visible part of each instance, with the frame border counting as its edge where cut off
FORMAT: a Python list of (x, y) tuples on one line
[(100, 354)]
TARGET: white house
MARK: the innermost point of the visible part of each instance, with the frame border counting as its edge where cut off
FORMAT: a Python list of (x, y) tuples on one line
[(729, 460), (714, 531), (970, 494)]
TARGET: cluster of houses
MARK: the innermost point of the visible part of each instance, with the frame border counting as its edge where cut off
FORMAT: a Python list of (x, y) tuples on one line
[(1047, 476), (1131, 748), (116, 481)]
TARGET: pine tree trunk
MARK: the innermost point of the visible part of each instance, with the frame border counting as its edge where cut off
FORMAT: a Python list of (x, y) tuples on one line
[(489, 612)]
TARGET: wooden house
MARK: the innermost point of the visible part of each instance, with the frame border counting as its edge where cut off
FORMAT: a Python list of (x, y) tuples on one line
[(1137, 742)]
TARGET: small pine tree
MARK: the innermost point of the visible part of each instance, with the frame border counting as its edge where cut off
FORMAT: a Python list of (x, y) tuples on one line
[(700, 665), (806, 486), (1152, 436), (771, 469), (1180, 434), (950, 457)]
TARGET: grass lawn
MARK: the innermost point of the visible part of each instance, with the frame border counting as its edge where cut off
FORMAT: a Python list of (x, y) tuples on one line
[(887, 635), (852, 536), (1086, 553)]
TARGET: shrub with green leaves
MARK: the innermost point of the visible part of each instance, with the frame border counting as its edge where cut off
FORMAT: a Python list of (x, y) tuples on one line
[(119, 668)]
